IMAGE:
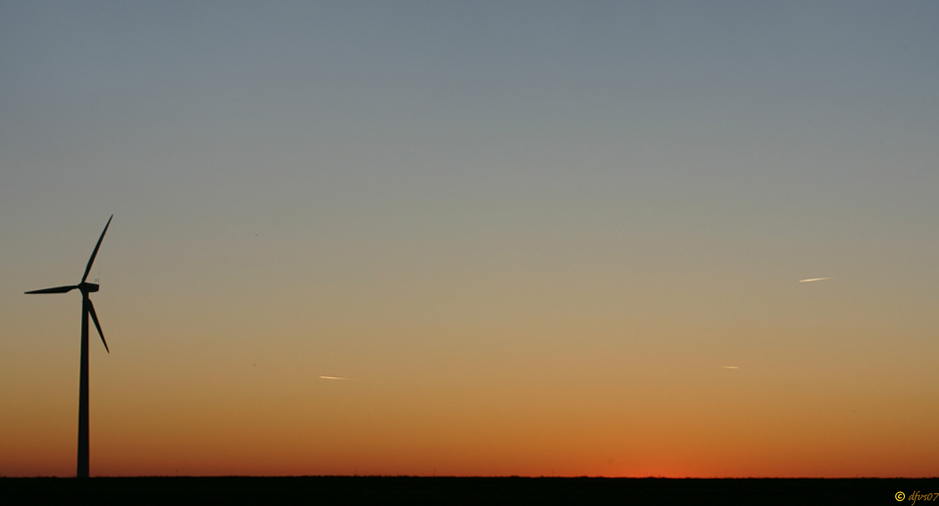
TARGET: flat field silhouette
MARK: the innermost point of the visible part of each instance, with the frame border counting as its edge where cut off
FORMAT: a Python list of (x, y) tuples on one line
[(453, 490)]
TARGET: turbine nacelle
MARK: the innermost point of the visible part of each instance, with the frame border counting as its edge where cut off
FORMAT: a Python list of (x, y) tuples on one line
[(88, 287)]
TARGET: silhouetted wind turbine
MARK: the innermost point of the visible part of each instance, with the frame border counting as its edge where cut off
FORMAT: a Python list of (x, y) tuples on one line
[(87, 308)]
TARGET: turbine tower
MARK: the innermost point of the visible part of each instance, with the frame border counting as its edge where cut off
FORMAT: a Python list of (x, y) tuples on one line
[(87, 309)]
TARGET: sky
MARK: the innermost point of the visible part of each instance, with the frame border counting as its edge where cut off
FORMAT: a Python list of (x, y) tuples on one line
[(473, 238)]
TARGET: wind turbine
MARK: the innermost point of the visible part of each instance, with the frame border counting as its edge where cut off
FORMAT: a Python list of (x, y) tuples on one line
[(87, 308)]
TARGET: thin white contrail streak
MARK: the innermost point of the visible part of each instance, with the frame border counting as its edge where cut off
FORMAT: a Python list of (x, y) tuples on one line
[(809, 280), (730, 367), (333, 378)]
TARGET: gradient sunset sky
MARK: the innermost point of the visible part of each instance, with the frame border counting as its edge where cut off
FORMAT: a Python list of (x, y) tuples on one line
[(473, 238)]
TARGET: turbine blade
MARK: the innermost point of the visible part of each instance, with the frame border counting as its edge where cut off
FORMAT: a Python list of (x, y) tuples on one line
[(94, 318), (58, 289), (95, 252)]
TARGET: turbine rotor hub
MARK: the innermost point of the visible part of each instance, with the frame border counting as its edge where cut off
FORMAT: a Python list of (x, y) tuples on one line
[(88, 287)]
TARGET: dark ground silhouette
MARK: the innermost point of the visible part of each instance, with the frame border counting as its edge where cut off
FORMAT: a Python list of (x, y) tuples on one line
[(444, 490)]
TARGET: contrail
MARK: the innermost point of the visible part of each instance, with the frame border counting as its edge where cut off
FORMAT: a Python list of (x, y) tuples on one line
[(809, 280), (730, 367), (333, 378)]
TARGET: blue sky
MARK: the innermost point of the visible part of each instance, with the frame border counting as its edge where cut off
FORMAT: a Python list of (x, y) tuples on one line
[(373, 184)]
